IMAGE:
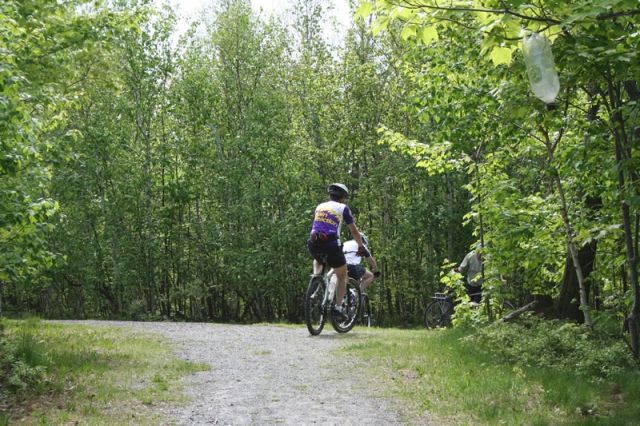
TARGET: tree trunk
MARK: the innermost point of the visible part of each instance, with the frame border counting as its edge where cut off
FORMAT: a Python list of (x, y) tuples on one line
[(632, 246), (568, 305), (623, 153), (573, 250), (584, 300), (451, 229)]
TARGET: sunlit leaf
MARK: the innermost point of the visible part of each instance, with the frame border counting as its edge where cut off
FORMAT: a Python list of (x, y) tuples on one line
[(380, 24), (500, 55), (409, 31), (364, 10), (429, 34)]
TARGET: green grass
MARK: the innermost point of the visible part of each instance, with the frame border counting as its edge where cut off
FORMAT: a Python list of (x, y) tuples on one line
[(93, 375), (436, 372)]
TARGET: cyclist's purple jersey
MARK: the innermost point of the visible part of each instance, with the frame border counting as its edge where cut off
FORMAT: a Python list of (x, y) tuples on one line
[(329, 217)]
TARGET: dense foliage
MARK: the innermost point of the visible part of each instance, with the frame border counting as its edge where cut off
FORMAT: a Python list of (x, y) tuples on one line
[(150, 175), (190, 167), (555, 187)]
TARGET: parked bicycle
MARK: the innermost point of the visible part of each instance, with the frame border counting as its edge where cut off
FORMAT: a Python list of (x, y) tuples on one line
[(318, 302), (438, 313)]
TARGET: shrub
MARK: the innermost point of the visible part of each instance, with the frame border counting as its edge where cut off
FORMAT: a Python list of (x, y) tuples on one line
[(537, 342), (23, 362)]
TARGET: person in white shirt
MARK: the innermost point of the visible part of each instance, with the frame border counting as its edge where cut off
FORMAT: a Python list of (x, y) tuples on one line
[(354, 258), (472, 266)]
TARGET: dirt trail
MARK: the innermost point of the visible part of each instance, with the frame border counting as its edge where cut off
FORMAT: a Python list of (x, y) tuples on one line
[(265, 375)]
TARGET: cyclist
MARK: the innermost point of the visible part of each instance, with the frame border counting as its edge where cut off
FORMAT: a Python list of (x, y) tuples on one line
[(324, 238), (355, 269), (472, 265)]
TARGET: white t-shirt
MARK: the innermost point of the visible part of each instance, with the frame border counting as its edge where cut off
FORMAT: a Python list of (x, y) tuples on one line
[(474, 268), (350, 248)]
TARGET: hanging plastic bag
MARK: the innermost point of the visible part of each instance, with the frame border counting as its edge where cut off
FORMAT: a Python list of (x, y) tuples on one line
[(540, 67)]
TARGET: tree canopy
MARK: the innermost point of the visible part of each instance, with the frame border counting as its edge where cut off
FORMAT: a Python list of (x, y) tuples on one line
[(148, 175)]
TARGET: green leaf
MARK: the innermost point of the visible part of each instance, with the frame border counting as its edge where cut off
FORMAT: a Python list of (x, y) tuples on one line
[(500, 55), (364, 10), (408, 31), (402, 13), (379, 24), (429, 34)]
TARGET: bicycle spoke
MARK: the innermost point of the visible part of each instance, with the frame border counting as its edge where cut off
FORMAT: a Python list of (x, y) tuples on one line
[(438, 314)]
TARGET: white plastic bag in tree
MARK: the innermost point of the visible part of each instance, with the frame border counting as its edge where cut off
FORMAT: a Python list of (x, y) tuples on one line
[(540, 67)]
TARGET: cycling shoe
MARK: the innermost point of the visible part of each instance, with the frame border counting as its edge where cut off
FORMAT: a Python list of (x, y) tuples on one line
[(339, 313)]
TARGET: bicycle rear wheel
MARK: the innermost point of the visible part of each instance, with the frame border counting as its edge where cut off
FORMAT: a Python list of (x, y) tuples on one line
[(365, 309), (438, 314), (352, 304), (314, 311)]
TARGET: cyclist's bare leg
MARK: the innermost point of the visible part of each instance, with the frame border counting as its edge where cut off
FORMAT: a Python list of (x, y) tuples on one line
[(366, 280), (341, 274)]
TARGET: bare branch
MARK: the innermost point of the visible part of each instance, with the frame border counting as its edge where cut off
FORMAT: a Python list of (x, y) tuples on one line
[(514, 314)]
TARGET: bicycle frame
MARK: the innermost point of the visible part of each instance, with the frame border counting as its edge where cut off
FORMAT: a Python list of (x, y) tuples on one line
[(330, 287), (318, 306)]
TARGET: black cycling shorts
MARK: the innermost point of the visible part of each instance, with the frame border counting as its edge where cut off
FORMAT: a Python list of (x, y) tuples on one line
[(356, 271), (334, 255)]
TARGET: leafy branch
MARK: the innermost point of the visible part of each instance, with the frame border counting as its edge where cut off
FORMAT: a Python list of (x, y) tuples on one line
[(616, 15), (504, 11)]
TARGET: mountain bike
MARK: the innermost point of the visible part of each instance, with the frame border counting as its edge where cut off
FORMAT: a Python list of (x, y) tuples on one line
[(364, 314), (438, 313), (318, 302), (365, 309)]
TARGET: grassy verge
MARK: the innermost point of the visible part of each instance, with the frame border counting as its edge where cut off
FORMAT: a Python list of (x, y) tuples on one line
[(72, 374), (440, 373)]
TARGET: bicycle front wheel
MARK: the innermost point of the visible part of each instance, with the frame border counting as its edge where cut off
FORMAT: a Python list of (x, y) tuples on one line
[(314, 311), (438, 314), (351, 304), (365, 309)]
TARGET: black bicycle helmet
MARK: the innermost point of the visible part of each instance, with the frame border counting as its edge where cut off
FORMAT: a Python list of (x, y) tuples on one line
[(338, 190)]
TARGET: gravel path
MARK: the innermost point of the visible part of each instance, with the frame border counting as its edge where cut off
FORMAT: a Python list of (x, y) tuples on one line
[(266, 375)]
